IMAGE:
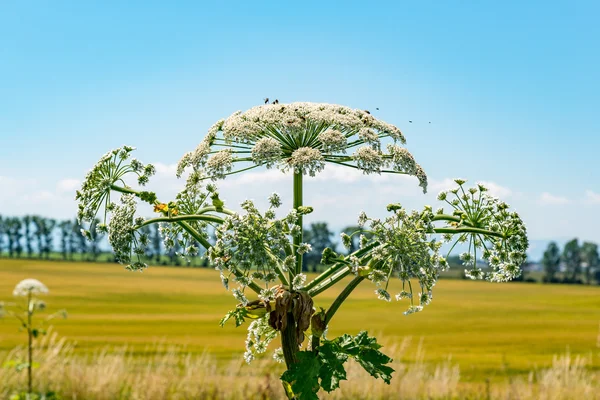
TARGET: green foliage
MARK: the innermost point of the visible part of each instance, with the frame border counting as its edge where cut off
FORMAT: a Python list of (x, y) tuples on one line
[(303, 376), (572, 258), (50, 395), (591, 258), (325, 368), (239, 315), (551, 261)]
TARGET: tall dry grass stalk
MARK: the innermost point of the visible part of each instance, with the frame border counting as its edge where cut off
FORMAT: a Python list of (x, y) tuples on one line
[(168, 372)]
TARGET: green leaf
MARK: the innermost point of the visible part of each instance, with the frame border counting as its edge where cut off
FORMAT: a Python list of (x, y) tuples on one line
[(239, 314), (35, 333), (303, 376), (371, 359), (332, 366), (365, 350)]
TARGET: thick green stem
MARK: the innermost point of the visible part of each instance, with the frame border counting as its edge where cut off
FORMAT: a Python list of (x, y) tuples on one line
[(338, 266), (289, 341), (297, 204), (182, 218), (329, 282), (341, 298)]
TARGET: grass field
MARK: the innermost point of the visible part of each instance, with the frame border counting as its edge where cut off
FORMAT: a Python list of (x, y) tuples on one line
[(489, 330)]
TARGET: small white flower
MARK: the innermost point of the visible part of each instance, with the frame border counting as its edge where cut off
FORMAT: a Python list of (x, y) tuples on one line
[(368, 159), (382, 294), (304, 248), (298, 281), (333, 140), (266, 151), (278, 355), (307, 160)]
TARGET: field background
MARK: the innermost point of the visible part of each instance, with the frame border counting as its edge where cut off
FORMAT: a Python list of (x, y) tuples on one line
[(490, 330)]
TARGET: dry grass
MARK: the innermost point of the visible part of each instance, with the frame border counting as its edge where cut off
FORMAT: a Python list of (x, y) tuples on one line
[(169, 373)]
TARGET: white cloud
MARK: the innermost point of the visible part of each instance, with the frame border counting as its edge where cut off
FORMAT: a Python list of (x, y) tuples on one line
[(30, 196), (550, 199), (496, 190), (591, 197), (68, 185)]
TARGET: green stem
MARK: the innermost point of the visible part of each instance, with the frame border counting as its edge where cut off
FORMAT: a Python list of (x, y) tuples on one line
[(444, 217), (182, 218), (341, 298), (329, 283), (123, 190), (289, 341), (338, 266), (297, 204), (468, 230)]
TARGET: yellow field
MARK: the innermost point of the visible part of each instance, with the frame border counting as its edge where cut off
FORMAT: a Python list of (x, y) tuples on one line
[(489, 330)]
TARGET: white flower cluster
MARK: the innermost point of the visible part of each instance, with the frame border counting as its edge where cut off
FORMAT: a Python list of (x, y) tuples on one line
[(266, 151), (248, 126), (253, 244), (219, 164), (111, 168), (406, 251), (199, 156), (504, 250), (306, 160), (29, 287), (260, 334), (301, 137), (333, 140), (123, 237)]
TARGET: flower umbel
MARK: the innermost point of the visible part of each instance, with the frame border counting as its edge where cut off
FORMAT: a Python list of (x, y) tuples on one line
[(302, 137)]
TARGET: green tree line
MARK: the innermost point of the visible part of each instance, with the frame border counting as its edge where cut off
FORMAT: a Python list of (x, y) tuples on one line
[(575, 263), (34, 236)]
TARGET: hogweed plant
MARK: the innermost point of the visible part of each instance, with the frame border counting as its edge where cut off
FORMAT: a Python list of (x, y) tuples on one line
[(29, 304), (259, 254)]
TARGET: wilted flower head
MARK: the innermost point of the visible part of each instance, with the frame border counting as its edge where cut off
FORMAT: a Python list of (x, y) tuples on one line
[(29, 286), (302, 137)]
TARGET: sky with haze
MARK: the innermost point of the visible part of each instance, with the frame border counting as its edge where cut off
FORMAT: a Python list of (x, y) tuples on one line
[(506, 93)]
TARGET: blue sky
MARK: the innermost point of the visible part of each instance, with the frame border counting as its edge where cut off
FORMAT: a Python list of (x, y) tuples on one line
[(512, 91)]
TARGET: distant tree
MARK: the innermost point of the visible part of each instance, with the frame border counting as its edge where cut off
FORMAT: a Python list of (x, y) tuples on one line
[(571, 256), (319, 237), (590, 260), (48, 235), (73, 239), (28, 234), (13, 230), (551, 262), (39, 234), (156, 242), (65, 228)]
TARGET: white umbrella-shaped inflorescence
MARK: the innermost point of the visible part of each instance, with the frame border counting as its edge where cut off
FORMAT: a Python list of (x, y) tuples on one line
[(302, 137), (407, 246), (29, 287)]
